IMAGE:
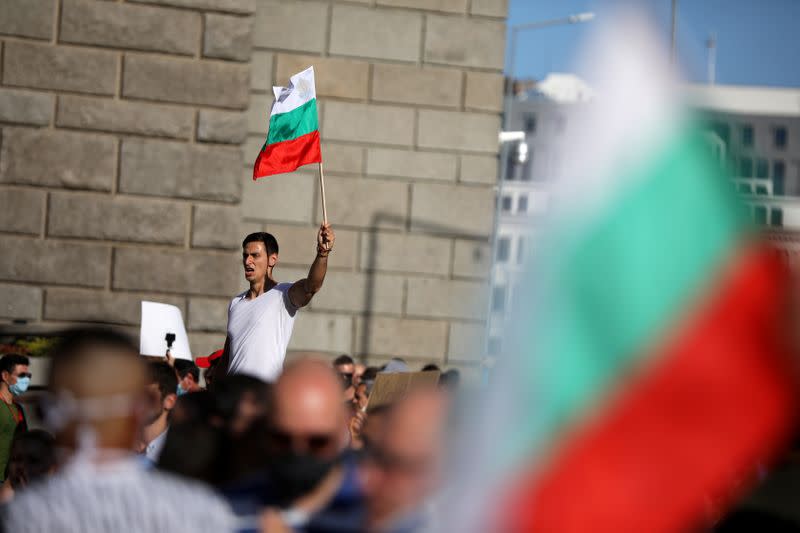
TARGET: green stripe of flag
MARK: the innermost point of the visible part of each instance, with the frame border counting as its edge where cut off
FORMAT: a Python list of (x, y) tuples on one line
[(296, 123), (624, 283)]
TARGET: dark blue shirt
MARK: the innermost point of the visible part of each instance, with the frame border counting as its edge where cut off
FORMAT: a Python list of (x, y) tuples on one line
[(346, 512)]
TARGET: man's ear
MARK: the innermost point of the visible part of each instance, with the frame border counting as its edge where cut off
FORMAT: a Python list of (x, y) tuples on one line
[(169, 401), (4, 375), (273, 260)]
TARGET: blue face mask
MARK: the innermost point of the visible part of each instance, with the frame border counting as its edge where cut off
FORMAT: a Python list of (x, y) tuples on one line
[(181, 390), (20, 386)]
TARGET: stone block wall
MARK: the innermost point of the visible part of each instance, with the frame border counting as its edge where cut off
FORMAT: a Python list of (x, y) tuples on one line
[(121, 132), (128, 130), (410, 94)]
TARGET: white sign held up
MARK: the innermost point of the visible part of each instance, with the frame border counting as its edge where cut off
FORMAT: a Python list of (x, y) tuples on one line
[(159, 320)]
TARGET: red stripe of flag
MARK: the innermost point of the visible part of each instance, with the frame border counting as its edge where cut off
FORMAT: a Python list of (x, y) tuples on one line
[(718, 400), (287, 156)]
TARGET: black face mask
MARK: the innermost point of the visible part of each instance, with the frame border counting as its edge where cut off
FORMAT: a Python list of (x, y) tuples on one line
[(297, 474)]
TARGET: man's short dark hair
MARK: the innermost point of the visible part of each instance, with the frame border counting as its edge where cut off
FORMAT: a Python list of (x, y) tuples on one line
[(183, 367), (343, 359), (270, 243), (75, 343), (10, 360), (164, 376)]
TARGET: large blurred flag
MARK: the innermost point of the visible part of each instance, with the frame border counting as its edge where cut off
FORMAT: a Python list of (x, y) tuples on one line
[(649, 372), (293, 137)]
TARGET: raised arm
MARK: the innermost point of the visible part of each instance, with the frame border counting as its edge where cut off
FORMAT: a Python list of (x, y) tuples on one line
[(303, 290)]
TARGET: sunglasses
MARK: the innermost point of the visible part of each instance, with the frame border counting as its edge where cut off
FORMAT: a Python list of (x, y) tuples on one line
[(315, 443), (24, 375), (347, 379)]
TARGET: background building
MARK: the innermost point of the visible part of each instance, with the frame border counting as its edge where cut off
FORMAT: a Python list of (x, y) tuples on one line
[(754, 131), (129, 130), (757, 131), (542, 111)]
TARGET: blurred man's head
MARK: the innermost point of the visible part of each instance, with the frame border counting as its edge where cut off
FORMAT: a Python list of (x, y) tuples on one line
[(450, 380), (240, 400), (195, 408), (188, 376), (405, 462), (96, 378), (14, 374), (308, 426), (162, 389), (194, 450)]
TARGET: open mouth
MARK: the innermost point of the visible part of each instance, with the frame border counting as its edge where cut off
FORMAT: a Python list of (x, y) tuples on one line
[(249, 270)]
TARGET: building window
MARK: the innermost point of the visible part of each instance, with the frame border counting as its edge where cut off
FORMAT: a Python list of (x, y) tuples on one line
[(747, 135), (762, 168), (780, 136), (746, 167), (529, 123), (778, 172), (760, 214), (776, 217), (499, 299), (512, 168), (520, 250), (503, 249), (745, 188), (722, 130), (761, 190), (522, 203), (506, 204), (494, 345)]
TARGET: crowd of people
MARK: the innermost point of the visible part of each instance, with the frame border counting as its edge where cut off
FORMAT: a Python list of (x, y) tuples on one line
[(134, 443), (138, 444)]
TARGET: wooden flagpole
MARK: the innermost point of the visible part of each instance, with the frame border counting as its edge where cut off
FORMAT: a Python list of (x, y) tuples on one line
[(322, 192)]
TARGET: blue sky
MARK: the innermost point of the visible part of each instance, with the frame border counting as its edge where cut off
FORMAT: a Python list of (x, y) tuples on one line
[(758, 41)]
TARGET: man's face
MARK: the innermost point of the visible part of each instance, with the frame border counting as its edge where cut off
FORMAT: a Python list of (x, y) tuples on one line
[(256, 261), (188, 383), (346, 371), (405, 460), (16, 373)]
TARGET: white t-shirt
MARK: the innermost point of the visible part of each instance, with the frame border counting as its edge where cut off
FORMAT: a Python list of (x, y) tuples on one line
[(259, 331)]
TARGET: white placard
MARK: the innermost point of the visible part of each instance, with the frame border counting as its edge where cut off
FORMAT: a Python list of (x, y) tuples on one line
[(157, 320)]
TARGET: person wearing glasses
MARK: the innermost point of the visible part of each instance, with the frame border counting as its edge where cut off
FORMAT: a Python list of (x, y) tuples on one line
[(311, 479), (15, 380)]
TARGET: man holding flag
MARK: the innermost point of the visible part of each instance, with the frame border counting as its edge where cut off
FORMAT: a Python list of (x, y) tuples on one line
[(261, 319)]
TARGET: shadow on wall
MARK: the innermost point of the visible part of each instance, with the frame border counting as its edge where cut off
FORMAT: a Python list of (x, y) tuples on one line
[(369, 293)]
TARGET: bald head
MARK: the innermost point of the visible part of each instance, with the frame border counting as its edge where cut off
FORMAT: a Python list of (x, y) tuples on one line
[(308, 402)]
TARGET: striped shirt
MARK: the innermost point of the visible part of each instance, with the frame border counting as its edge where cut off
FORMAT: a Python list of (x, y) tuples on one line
[(116, 497)]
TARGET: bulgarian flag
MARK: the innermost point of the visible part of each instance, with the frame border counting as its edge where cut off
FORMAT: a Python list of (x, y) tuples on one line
[(293, 138), (649, 374)]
